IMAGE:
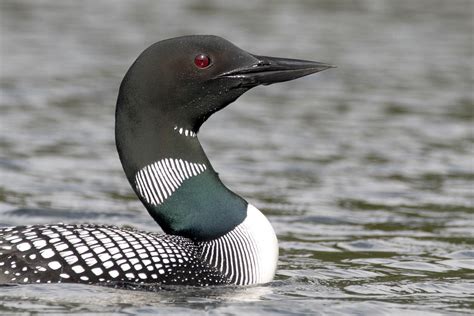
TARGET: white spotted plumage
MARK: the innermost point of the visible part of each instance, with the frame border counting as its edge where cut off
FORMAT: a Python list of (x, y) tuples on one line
[(156, 182), (94, 254), (104, 254)]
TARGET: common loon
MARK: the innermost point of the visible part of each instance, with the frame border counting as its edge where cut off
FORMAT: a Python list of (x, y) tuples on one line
[(212, 235)]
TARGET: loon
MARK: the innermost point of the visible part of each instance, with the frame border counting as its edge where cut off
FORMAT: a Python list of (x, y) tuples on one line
[(212, 236)]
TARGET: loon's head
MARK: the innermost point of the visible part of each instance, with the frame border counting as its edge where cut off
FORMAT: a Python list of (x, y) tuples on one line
[(166, 95), (186, 79)]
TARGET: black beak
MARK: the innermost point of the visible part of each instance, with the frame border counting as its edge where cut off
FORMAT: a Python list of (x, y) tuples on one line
[(269, 70)]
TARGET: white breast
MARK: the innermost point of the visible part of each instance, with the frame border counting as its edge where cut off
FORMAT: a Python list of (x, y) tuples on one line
[(248, 254)]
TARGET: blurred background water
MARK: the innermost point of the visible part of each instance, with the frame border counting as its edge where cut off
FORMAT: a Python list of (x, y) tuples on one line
[(366, 171)]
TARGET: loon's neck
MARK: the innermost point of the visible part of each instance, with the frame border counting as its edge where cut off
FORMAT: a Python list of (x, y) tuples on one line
[(171, 174)]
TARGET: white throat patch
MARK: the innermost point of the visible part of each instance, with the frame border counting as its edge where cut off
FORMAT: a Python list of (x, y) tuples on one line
[(157, 181), (185, 132)]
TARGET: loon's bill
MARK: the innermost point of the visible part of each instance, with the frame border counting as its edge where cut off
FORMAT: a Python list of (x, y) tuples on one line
[(212, 235)]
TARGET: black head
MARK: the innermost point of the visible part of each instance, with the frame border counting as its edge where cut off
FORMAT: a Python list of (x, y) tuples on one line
[(186, 79)]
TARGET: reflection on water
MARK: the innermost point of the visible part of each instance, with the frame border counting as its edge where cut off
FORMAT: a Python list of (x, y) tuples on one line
[(366, 171)]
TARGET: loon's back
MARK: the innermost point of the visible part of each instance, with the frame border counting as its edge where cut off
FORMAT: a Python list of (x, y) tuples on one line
[(101, 254), (96, 254)]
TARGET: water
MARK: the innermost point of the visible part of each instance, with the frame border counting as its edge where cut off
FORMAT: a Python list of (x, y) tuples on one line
[(366, 171)]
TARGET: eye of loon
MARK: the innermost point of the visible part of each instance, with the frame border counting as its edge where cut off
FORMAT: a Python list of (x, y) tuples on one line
[(202, 61)]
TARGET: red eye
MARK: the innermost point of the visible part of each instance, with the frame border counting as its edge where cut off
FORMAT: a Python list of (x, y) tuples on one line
[(202, 61)]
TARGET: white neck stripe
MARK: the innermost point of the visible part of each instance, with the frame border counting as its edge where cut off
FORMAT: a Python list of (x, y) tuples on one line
[(158, 181)]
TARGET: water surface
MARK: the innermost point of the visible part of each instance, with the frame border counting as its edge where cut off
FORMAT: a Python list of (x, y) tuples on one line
[(366, 171)]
